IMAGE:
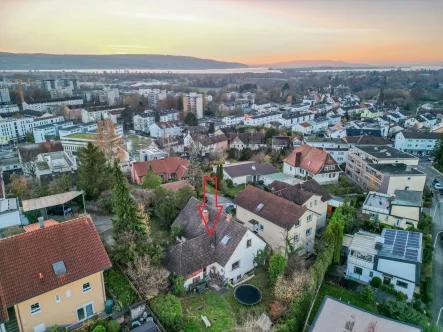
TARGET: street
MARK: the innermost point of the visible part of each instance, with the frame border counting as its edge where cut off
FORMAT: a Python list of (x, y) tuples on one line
[(436, 211)]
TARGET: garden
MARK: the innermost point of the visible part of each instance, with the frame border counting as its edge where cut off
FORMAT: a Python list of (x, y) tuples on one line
[(118, 288)]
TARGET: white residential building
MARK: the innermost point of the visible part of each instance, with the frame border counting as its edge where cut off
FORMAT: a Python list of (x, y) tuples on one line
[(13, 128), (395, 257), (61, 92), (98, 113), (154, 96), (4, 95), (166, 128), (291, 120), (109, 96), (8, 108), (262, 119), (51, 104), (337, 148), (416, 142), (233, 120)]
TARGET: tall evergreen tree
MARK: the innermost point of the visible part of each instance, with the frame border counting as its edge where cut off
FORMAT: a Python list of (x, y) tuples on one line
[(126, 210), (211, 129), (93, 173), (151, 180)]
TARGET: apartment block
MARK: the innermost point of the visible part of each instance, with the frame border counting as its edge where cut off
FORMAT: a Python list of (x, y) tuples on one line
[(194, 103)]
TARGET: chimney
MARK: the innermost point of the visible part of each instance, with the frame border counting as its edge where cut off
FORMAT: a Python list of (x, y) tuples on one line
[(229, 217), (205, 216), (408, 168), (297, 159), (40, 276), (41, 221)]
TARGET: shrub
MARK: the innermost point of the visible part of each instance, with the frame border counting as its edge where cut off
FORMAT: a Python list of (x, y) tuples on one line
[(277, 310), (429, 292), (277, 266), (169, 311), (177, 231), (118, 286), (403, 312), (375, 282), (112, 326), (367, 294), (99, 328), (388, 288), (401, 296), (178, 285), (229, 183)]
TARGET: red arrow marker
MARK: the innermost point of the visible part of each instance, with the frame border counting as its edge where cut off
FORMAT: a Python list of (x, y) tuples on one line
[(202, 207)]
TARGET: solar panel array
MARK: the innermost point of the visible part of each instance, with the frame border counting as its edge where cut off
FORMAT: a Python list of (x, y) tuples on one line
[(402, 244)]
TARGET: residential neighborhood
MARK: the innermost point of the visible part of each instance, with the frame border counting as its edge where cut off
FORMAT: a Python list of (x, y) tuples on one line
[(190, 167)]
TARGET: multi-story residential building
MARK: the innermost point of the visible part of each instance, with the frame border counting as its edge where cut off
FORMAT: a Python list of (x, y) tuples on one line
[(233, 120), (169, 144), (319, 124), (152, 154), (4, 95), (51, 104), (50, 163), (336, 147), (304, 127), (384, 169), (396, 116), (290, 120), (108, 95), (401, 209), (276, 219), (416, 142), (367, 127), (143, 121), (371, 113), (7, 107), (52, 84), (394, 256), (42, 133), (61, 92), (307, 161), (194, 103), (230, 106), (262, 119), (166, 128), (98, 113), (154, 96), (48, 282), (300, 107)]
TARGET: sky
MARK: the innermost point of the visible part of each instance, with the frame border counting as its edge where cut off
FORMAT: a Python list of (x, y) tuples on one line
[(247, 31)]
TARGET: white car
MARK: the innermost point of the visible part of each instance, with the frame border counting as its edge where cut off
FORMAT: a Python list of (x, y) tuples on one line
[(438, 186)]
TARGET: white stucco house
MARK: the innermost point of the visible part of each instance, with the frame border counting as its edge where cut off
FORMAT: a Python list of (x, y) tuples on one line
[(228, 252), (395, 257)]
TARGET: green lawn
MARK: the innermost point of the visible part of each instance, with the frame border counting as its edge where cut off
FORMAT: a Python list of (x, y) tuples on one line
[(261, 281), (341, 294), (212, 306), (343, 187), (160, 234)]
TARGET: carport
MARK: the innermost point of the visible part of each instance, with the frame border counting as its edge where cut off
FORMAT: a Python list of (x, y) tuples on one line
[(52, 200)]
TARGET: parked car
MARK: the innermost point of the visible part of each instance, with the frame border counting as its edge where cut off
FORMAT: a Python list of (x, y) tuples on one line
[(438, 186), (435, 181), (431, 159)]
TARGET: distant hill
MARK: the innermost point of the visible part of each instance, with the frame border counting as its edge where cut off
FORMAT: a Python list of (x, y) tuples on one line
[(313, 63), (37, 61)]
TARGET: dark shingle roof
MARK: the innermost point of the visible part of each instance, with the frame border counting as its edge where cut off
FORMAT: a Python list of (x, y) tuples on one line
[(420, 134), (249, 168), (367, 140), (246, 138), (200, 249), (301, 192), (25, 256), (275, 209)]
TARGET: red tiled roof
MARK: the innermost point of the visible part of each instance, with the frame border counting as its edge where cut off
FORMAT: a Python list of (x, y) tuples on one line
[(305, 124), (25, 256), (34, 227), (177, 185), (312, 159), (162, 166), (275, 209)]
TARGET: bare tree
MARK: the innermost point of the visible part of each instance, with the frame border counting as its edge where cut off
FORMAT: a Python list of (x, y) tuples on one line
[(28, 159), (107, 140), (288, 288), (150, 280)]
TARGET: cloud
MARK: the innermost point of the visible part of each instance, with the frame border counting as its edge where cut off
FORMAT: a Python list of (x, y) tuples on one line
[(335, 30), (160, 17), (126, 46)]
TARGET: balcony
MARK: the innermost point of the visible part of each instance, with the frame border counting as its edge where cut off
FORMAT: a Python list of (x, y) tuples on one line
[(360, 262)]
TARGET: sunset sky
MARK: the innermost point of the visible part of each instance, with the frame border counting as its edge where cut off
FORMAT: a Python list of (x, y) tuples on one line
[(247, 31)]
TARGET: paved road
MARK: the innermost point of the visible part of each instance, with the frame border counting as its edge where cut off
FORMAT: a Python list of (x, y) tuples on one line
[(222, 200), (437, 212)]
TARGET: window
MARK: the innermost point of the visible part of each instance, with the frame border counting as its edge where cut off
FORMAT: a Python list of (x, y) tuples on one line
[(309, 218), (402, 284), (235, 265), (239, 277), (315, 202), (86, 287), (371, 274), (397, 223), (310, 204), (309, 231), (85, 312), (298, 223), (248, 243), (68, 293), (296, 237), (358, 270), (261, 227), (35, 308), (57, 298)]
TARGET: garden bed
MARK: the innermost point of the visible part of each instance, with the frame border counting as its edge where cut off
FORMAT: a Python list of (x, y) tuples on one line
[(119, 289), (342, 294), (213, 306)]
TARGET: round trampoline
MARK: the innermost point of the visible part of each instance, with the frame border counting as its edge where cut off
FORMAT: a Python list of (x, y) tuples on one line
[(247, 294)]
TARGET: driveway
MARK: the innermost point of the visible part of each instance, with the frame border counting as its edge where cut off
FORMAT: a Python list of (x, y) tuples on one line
[(222, 200), (104, 227), (436, 211)]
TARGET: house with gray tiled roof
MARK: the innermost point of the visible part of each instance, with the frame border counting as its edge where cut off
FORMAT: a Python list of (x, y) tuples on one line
[(228, 252)]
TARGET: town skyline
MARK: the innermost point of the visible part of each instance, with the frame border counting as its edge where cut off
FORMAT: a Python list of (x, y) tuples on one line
[(252, 33)]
